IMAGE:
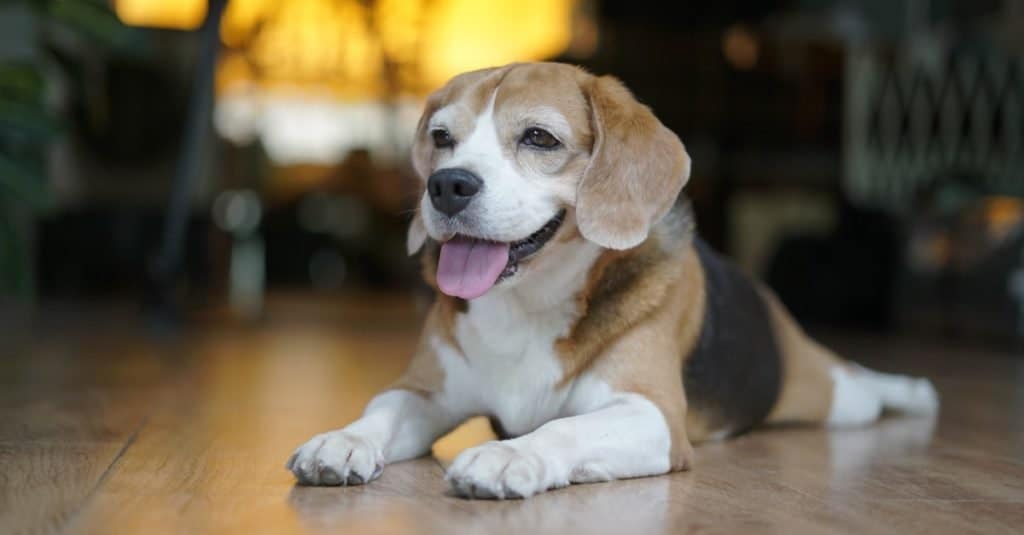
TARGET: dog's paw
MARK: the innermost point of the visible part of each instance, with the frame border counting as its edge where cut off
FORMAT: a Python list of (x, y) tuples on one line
[(500, 470), (336, 458)]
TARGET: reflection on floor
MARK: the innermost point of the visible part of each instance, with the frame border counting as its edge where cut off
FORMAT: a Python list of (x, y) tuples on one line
[(108, 427)]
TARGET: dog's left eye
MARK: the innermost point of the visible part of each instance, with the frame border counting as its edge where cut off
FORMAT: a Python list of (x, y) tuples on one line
[(442, 139), (540, 138)]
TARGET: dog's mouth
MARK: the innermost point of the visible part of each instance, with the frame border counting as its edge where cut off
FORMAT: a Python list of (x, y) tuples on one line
[(469, 266)]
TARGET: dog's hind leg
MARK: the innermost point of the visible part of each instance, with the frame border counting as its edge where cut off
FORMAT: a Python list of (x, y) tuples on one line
[(820, 387), (911, 395)]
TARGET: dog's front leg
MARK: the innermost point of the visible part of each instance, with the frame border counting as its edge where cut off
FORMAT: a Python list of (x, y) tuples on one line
[(627, 437), (397, 425)]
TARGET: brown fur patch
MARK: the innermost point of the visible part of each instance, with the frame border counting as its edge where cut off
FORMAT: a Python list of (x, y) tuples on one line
[(647, 359), (806, 394), (546, 96), (641, 311), (680, 319), (474, 89), (622, 288), (547, 85)]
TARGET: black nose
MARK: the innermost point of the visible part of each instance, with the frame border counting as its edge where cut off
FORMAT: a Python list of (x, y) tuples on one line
[(451, 189)]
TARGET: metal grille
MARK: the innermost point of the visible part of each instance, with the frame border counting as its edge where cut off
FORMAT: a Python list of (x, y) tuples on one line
[(911, 124)]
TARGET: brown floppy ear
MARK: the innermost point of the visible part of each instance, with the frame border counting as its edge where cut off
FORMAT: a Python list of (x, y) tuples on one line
[(636, 170), (416, 235)]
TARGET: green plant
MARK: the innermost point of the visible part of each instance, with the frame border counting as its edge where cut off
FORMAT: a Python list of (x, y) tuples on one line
[(27, 127), (26, 130)]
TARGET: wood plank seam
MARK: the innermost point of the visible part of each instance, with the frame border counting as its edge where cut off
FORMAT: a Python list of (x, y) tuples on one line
[(105, 475)]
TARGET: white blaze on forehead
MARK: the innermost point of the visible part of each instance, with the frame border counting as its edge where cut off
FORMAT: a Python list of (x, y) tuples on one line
[(481, 150)]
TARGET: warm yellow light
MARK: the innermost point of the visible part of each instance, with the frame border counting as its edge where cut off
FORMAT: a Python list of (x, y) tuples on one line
[(233, 72), (359, 50), (314, 45), (241, 18), (314, 79), (462, 35), (168, 14)]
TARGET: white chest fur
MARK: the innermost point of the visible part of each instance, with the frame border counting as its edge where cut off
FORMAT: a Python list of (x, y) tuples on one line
[(508, 366)]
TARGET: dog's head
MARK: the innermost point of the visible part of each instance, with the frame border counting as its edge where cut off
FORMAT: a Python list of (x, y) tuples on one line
[(510, 156)]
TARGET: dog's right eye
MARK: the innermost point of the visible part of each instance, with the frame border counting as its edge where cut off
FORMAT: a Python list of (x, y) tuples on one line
[(442, 139), (539, 138)]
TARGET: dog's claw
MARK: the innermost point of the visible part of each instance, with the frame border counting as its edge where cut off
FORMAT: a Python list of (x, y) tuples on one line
[(329, 477)]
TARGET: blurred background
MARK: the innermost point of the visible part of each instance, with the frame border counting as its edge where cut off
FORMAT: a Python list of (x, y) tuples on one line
[(193, 159)]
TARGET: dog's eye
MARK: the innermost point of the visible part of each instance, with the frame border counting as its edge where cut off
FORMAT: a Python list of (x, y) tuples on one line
[(442, 139), (536, 137)]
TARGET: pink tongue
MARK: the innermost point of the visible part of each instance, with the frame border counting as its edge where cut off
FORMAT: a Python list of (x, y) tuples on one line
[(468, 268)]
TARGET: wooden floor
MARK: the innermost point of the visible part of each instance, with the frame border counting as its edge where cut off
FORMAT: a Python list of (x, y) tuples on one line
[(107, 427)]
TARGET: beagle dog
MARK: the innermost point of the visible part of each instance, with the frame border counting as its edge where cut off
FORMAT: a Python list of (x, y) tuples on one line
[(576, 307)]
